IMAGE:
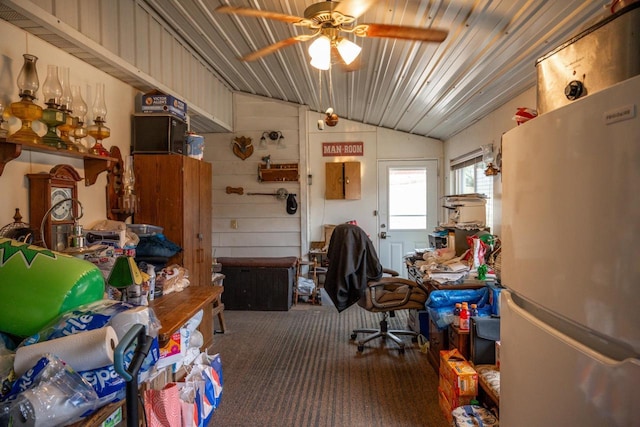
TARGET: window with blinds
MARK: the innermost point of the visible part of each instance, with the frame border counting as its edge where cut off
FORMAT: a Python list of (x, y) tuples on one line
[(467, 176)]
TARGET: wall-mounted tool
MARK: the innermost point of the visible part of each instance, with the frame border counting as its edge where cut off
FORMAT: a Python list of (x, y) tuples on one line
[(235, 190), (280, 194)]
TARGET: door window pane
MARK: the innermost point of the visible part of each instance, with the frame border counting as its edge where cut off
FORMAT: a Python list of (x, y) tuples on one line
[(407, 198)]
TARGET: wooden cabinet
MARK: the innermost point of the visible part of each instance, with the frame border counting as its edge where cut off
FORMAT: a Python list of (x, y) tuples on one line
[(459, 339), (343, 180), (174, 192)]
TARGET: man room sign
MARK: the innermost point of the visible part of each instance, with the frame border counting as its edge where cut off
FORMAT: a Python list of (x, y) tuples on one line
[(332, 149)]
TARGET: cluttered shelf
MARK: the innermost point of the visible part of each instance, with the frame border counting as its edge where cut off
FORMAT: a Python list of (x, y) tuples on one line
[(461, 320), (93, 164), (173, 311)]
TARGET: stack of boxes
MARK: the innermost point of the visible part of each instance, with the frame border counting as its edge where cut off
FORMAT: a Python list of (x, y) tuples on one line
[(458, 384)]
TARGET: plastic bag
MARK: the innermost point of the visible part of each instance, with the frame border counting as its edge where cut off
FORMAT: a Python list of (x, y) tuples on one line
[(163, 407), (109, 386), (440, 304), (206, 373), (50, 394)]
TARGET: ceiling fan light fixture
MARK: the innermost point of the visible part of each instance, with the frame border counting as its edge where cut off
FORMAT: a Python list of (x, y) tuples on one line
[(321, 63), (349, 51), (320, 52)]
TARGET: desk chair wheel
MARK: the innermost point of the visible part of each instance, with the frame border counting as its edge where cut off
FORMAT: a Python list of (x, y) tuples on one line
[(354, 336), (360, 348)]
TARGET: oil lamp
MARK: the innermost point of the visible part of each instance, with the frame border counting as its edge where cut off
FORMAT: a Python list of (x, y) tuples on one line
[(25, 109), (98, 130), (66, 106), (52, 116), (79, 107)]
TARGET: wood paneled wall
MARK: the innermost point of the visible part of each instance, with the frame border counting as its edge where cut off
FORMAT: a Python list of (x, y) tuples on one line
[(264, 228)]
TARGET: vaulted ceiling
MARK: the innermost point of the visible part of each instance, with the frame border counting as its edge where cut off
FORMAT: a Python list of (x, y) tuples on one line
[(430, 89), (424, 88)]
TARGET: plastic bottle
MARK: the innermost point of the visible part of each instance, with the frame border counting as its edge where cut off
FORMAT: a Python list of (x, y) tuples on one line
[(456, 314), (464, 317), (474, 310), (151, 271)]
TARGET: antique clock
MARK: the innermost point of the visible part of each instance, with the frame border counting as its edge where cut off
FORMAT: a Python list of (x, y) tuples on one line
[(54, 194)]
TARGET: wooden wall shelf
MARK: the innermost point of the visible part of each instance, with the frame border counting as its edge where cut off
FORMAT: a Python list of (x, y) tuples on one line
[(278, 172), (93, 164)]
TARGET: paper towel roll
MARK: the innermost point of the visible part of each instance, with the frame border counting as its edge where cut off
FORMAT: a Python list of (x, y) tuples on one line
[(122, 322), (83, 351)]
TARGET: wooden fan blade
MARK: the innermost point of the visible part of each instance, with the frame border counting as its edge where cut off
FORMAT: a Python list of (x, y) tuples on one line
[(245, 11), (272, 48), (400, 32), (354, 8)]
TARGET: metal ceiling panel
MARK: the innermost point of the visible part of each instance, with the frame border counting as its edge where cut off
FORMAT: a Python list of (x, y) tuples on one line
[(429, 89)]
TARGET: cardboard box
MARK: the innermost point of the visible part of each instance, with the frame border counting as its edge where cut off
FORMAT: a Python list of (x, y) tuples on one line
[(159, 102), (452, 395), (455, 370), (445, 406)]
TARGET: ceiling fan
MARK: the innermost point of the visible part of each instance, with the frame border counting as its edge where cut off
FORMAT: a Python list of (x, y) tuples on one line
[(327, 20)]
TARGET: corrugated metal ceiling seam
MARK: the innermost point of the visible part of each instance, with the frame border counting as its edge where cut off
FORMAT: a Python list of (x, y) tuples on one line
[(419, 62), (460, 110), (478, 79), (465, 34), (422, 17), (384, 73), (514, 59), (188, 44), (376, 81), (271, 38), (216, 25), (472, 71), (456, 27), (262, 61), (231, 62)]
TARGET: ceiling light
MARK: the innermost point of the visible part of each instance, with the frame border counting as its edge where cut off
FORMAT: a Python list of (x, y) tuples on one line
[(320, 51), (349, 51), (321, 63)]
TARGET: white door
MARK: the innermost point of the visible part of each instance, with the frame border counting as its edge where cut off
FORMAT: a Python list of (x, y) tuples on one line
[(407, 208)]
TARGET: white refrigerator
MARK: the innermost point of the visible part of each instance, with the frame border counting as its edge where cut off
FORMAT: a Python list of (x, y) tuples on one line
[(570, 313)]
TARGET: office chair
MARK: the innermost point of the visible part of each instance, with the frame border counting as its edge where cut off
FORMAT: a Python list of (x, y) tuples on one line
[(355, 275)]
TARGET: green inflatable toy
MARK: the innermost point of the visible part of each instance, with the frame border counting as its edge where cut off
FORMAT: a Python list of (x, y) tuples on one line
[(37, 285)]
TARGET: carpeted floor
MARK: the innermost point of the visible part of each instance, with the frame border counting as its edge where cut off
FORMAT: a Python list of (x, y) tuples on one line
[(299, 368)]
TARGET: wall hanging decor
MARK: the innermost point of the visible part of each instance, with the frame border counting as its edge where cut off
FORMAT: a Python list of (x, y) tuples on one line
[(242, 147)]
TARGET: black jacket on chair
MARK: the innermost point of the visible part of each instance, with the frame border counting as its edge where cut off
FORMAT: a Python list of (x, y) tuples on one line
[(352, 263)]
